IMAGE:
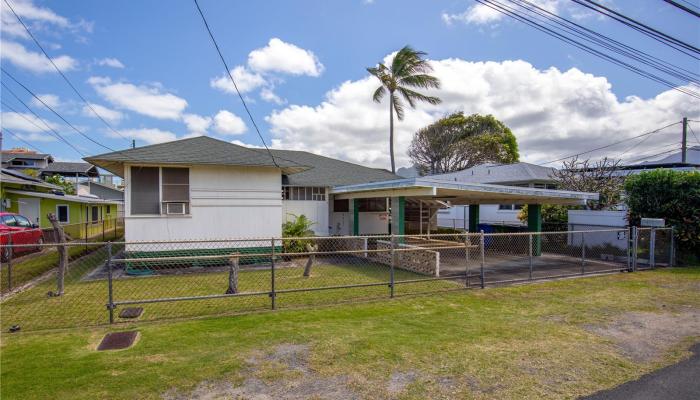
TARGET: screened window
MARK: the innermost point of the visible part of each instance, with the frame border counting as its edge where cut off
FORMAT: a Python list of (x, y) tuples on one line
[(510, 207), (109, 209), (341, 205), (304, 193), (176, 190), (144, 191), (372, 205), (62, 213), (95, 214)]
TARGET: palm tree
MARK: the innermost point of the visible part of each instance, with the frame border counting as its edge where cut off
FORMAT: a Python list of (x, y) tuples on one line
[(408, 70)]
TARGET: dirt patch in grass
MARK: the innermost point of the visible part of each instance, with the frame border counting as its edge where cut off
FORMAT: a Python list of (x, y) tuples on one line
[(283, 373), (646, 336)]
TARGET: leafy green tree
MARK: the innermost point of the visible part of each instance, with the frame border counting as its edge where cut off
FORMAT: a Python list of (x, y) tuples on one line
[(58, 180), (456, 142), (408, 70), (672, 195)]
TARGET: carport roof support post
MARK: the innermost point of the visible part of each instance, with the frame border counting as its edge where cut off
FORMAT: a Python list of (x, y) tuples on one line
[(356, 217), (473, 218), (534, 224), (398, 216)]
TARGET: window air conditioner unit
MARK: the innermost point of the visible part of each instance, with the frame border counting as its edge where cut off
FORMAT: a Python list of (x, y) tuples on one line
[(175, 208)]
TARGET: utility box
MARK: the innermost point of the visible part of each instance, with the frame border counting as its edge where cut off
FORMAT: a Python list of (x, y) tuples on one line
[(653, 222)]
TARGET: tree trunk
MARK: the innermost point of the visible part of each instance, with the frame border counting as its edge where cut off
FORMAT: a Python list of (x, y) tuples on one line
[(310, 261), (391, 131), (60, 237), (233, 274)]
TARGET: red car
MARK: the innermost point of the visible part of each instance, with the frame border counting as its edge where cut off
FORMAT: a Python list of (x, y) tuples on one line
[(22, 232)]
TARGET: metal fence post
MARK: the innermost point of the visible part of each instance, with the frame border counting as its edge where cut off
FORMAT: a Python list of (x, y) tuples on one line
[(110, 289), (672, 249), (583, 253), (635, 247), (482, 259), (392, 266), (10, 252), (467, 244), (627, 248), (103, 230), (529, 253), (652, 247), (86, 235), (273, 295)]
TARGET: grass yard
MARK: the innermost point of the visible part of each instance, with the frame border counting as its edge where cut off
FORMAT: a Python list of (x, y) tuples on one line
[(559, 339)]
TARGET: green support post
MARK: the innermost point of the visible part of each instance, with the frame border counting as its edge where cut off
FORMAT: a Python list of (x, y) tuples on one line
[(534, 224), (473, 218), (355, 217)]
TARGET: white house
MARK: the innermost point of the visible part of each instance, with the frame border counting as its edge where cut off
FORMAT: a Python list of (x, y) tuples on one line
[(204, 188)]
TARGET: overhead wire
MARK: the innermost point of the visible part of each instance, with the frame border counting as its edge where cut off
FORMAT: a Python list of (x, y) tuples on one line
[(228, 72), (65, 78), (682, 7), (19, 138)]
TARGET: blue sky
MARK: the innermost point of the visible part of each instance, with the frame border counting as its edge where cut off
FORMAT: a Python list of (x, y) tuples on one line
[(151, 70)]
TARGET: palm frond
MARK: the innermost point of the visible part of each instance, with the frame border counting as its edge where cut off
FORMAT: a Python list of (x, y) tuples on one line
[(398, 106), (411, 96), (424, 81), (379, 94)]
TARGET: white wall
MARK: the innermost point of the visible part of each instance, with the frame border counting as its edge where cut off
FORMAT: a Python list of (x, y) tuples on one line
[(226, 202), (372, 223), (582, 220), (316, 211)]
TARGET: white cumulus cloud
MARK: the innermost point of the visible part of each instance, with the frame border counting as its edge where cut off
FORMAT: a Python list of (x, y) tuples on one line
[(25, 122), (104, 112), (246, 80), (228, 123), (148, 135), (481, 14), (197, 124), (283, 57), (18, 55), (147, 100), (110, 62), (551, 112), (51, 100), (29, 12)]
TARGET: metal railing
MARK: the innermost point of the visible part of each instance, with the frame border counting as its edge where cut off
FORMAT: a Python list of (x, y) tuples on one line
[(185, 279)]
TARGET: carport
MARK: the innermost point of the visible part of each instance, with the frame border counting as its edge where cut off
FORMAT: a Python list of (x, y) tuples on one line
[(419, 191)]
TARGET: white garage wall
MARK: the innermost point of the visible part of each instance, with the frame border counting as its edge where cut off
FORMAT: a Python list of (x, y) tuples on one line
[(226, 202)]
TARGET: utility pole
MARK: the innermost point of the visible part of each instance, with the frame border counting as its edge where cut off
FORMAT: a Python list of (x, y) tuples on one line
[(133, 143), (684, 146)]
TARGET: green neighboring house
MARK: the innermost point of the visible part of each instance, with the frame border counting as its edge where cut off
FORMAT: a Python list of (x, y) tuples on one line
[(82, 215)]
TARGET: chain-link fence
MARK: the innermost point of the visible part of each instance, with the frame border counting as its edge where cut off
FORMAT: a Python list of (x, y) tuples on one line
[(189, 279), (24, 256)]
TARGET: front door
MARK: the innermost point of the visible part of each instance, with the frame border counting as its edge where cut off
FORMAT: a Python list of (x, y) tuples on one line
[(29, 207)]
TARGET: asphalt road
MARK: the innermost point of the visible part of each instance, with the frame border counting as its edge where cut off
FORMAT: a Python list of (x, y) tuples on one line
[(678, 382)]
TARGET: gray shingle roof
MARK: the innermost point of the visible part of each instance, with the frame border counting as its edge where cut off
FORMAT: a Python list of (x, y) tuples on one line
[(327, 171), (16, 177), (500, 173), (70, 168), (6, 156), (198, 150)]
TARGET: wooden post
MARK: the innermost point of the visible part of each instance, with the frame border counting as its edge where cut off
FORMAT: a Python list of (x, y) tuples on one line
[(312, 258), (62, 253), (233, 263)]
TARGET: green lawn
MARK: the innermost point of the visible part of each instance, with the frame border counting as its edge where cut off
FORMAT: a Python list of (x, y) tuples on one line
[(519, 342)]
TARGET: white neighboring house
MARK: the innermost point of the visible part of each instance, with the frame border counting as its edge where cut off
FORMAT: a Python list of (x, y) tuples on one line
[(207, 188), (518, 174)]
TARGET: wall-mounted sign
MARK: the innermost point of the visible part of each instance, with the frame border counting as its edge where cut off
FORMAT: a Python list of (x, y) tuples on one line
[(654, 222)]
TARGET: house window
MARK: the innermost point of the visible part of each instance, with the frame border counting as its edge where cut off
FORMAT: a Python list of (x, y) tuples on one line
[(304, 193), (510, 207), (62, 213), (145, 196), (372, 205), (109, 209), (95, 214), (175, 190), (341, 205)]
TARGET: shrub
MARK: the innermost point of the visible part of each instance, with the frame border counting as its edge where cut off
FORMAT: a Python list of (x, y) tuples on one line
[(672, 195), (299, 227)]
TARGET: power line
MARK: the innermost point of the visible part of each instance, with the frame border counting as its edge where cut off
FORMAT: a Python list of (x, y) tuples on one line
[(645, 29), (55, 132), (609, 145), (682, 7), (607, 42), (228, 71), (56, 113), (23, 141), (655, 155), (513, 14), (65, 78), (693, 132)]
